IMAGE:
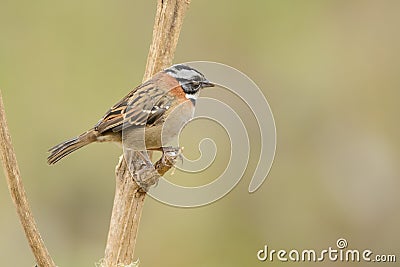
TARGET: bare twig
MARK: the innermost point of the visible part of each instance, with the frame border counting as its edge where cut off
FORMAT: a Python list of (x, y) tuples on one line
[(18, 194), (129, 199), (167, 26)]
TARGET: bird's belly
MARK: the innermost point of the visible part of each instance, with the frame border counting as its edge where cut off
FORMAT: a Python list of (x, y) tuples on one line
[(160, 134), (157, 137), (167, 134)]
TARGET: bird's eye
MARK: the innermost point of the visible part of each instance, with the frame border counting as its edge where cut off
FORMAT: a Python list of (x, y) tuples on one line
[(196, 84)]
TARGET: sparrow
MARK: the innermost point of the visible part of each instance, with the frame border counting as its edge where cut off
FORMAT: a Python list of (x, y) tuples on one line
[(139, 117)]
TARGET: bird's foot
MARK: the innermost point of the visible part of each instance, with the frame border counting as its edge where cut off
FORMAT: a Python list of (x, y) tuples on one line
[(147, 174), (171, 155)]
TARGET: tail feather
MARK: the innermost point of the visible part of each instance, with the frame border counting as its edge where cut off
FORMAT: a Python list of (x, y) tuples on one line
[(65, 148)]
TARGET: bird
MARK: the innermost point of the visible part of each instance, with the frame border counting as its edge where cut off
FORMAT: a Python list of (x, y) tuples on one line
[(139, 117)]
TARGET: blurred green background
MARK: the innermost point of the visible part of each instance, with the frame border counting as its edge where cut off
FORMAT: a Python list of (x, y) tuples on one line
[(329, 69)]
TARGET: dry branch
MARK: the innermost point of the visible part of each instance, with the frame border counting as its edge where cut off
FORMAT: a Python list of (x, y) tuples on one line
[(18, 194), (129, 199)]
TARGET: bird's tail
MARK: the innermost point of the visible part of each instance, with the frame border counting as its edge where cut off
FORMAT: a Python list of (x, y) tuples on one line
[(65, 148)]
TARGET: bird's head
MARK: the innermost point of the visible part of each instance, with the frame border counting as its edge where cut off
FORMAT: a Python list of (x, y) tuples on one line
[(189, 78)]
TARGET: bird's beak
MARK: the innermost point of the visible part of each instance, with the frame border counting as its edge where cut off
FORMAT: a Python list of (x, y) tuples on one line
[(207, 83)]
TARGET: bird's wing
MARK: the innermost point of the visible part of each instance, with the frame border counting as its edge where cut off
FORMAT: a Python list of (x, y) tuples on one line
[(144, 105)]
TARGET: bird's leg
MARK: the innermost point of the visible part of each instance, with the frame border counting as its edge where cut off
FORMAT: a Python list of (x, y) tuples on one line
[(141, 168), (146, 160), (170, 154), (168, 159), (147, 174)]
